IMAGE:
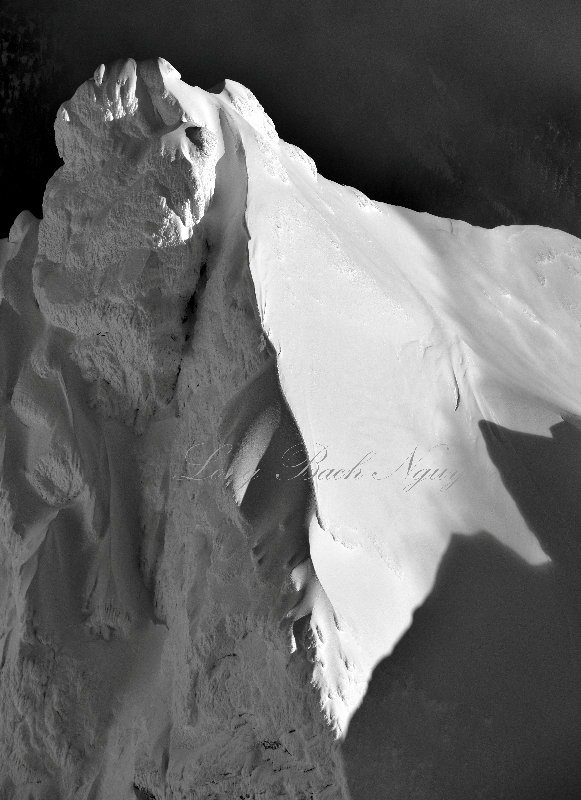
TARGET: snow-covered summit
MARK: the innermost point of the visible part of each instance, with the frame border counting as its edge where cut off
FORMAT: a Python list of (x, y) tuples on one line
[(244, 411)]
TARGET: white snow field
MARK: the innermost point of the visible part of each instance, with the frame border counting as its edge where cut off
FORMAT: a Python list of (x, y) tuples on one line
[(244, 411)]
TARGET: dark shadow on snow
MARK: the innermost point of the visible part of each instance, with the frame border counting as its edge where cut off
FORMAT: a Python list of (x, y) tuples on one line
[(481, 697)]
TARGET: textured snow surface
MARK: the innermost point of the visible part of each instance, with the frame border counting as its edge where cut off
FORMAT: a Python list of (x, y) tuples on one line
[(242, 418)]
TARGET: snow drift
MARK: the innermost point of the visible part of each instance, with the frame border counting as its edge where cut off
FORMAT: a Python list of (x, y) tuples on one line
[(243, 415)]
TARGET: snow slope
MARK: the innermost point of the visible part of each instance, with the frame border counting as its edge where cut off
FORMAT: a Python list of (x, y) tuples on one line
[(243, 415)]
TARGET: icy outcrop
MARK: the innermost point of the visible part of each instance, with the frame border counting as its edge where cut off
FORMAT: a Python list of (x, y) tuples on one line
[(144, 651), (240, 424)]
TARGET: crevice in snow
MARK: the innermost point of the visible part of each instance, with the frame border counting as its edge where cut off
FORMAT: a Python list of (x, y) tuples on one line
[(191, 312)]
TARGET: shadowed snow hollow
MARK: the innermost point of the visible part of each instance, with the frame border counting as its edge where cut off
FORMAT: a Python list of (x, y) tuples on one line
[(241, 422)]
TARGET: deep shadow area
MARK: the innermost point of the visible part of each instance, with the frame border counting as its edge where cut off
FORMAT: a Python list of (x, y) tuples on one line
[(481, 698), (543, 476)]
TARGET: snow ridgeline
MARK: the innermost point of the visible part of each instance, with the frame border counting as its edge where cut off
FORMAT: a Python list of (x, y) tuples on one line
[(245, 410)]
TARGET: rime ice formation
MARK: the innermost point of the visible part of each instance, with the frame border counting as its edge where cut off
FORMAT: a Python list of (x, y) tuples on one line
[(242, 417)]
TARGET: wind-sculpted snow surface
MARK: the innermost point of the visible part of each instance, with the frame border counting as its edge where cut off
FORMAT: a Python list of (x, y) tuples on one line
[(242, 419)]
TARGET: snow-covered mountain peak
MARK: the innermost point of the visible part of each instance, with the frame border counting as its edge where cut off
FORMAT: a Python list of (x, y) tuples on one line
[(246, 410)]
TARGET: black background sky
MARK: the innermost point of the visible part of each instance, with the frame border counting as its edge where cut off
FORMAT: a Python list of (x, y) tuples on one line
[(463, 108)]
